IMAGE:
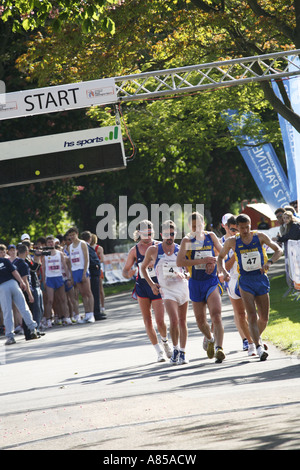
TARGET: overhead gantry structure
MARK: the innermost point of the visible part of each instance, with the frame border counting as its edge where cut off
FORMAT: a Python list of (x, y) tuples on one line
[(97, 150)]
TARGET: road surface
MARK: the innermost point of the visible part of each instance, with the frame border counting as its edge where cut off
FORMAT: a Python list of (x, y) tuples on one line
[(99, 387)]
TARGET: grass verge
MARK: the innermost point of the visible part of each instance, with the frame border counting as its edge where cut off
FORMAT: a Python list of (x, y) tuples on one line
[(283, 329), (118, 288)]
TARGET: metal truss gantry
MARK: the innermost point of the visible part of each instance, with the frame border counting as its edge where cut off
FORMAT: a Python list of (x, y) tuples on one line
[(206, 76)]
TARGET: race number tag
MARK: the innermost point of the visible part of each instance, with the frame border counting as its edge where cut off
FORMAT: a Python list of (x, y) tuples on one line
[(170, 269), (251, 261), (199, 255), (151, 272)]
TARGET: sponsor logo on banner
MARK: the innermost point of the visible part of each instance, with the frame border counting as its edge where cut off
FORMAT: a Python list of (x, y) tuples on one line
[(287, 132), (264, 166), (58, 98)]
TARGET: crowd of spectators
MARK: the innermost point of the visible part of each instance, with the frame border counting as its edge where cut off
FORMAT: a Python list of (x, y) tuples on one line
[(32, 260)]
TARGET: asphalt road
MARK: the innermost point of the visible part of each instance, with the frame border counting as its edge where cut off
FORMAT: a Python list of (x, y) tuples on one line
[(99, 387)]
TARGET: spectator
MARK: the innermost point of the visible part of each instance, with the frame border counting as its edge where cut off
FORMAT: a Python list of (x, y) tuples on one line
[(100, 254), (279, 213), (3, 253), (24, 271), (292, 225), (10, 292), (34, 267)]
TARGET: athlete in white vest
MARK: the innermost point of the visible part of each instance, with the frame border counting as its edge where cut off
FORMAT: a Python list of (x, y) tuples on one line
[(52, 269), (79, 259), (173, 287)]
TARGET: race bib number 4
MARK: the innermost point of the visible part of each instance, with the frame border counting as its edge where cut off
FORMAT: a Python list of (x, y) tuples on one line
[(251, 261), (170, 269)]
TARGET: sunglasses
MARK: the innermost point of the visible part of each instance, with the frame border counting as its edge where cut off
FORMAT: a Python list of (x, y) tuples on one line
[(167, 235), (233, 230)]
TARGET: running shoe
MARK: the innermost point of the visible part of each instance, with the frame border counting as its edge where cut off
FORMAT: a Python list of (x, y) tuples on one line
[(219, 355), (9, 341), (251, 350), (167, 348), (182, 359), (210, 348), (245, 344), (204, 344), (174, 357), (262, 353), (89, 318), (161, 357), (67, 321)]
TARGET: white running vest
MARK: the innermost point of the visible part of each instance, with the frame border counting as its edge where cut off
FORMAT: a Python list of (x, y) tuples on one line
[(77, 257), (53, 265)]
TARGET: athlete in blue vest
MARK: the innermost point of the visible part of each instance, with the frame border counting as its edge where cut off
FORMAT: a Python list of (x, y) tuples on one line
[(198, 252), (146, 298), (253, 282)]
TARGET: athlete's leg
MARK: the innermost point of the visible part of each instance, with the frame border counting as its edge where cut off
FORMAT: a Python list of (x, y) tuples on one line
[(145, 307), (183, 329), (172, 310), (87, 297), (250, 306), (200, 316), (263, 306), (240, 318), (215, 309), (159, 314)]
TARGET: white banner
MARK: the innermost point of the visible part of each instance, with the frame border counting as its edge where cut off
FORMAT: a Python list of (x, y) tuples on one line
[(113, 266), (293, 249), (57, 98), (61, 142)]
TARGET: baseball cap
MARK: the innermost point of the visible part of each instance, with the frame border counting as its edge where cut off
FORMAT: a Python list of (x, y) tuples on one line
[(11, 246), (25, 236), (226, 217)]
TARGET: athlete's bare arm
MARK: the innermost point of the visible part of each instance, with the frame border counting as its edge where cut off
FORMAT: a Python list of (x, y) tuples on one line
[(150, 258), (128, 270), (228, 245), (265, 240)]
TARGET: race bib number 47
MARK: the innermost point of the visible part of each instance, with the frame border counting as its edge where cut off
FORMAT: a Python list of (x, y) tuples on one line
[(251, 261)]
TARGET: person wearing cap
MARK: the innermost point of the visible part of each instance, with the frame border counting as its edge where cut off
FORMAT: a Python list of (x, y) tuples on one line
[(10, 291), (197, 253), (253, 282), (240, 317), (25, 236)]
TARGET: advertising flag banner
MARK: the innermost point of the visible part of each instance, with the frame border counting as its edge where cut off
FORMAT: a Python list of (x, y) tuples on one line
[(294, 86), (264, 166), (287, 132)]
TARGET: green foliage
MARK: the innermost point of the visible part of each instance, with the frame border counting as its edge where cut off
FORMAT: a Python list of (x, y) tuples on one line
[(32, 14), (184, 152)]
